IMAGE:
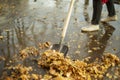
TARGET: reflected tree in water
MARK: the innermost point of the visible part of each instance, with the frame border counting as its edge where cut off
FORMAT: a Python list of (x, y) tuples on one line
[(85, 13)]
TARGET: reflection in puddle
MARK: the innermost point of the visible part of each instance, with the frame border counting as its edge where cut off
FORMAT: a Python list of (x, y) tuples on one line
[(86, 15), (97, 42)]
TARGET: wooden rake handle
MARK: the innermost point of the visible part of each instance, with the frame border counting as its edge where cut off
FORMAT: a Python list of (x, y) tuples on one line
[(67, 20)]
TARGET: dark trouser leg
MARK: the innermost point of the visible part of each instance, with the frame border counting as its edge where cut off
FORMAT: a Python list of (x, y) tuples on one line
[(97, 8), (110, 8)]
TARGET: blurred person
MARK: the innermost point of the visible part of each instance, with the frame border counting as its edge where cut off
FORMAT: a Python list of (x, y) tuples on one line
[(97, 9)]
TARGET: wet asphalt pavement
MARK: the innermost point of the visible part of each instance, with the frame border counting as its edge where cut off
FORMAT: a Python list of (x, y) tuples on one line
[(25, 23)]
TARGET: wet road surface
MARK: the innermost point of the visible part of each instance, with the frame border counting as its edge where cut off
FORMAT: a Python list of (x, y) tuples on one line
[(26, 23)]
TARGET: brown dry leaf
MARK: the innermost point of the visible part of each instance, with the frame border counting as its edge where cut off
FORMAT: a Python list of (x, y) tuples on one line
[(8, 78), (47, 77), (44, 45), (34, 77), (109, 75), (2, 58), (1, 37), (29, 51), (62, 78)]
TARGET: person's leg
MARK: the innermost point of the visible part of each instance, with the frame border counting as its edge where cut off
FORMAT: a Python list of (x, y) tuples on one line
[(111, 12), (110, 8), (97, 8)]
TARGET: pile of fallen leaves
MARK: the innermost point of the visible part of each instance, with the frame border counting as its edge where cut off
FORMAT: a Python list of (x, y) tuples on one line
[(20, 72), (59, 67)]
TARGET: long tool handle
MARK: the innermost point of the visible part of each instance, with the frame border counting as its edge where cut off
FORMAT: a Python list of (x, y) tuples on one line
[(67, 21)]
